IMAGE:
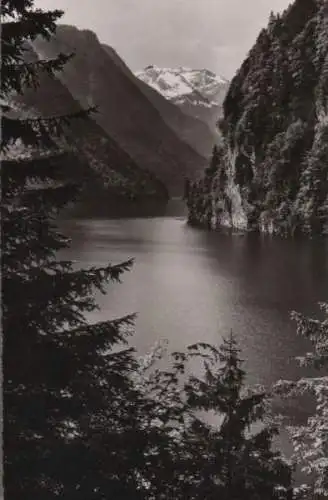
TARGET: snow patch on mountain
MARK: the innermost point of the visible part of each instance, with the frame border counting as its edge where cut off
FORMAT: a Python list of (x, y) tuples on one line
[(177, 84)]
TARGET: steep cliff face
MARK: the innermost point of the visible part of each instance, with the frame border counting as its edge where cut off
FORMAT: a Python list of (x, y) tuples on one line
[(275, 128)]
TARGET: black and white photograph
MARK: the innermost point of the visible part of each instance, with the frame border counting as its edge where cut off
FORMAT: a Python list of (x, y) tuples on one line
[(164, 249)]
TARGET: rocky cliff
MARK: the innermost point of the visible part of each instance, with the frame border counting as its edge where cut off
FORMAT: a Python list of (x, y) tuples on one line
[(271, 175)]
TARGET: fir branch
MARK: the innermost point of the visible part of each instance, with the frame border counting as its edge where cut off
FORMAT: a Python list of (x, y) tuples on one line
[(45, 167), (102, 328), (18, 7), (20, 74), (39, 131), (51, 199), (31, 24)]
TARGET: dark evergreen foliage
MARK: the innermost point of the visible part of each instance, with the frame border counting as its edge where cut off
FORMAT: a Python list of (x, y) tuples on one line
[(310, 440), (81, 420), (57, 381), (230, 459), (275, 117), (202, 194)]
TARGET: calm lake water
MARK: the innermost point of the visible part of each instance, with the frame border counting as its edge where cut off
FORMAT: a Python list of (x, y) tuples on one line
[(189, 285)]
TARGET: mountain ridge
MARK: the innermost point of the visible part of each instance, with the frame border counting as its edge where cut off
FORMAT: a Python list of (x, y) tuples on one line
[(104, 169), (124, 112), (184, 79), (190, 129), (198, 92)]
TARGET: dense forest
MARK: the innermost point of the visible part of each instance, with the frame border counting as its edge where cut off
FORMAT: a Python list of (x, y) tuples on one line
[(271, 173), (84, 418)]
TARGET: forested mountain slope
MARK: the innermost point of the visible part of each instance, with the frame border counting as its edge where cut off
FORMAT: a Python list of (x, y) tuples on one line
[(271, 174), (124, 113), (190, 129), (108, 174)]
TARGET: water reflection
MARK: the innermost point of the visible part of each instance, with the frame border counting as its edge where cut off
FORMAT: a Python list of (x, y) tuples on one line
[(189, 285)]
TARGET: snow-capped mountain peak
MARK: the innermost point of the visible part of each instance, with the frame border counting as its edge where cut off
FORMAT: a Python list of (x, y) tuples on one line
[(175, 83), (197, 92)]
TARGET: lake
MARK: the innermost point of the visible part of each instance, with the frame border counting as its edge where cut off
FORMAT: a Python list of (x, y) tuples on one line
[(189, 285)]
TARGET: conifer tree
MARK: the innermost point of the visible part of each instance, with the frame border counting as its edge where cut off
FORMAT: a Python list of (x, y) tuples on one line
[(214, 163), (186, 189), (62, 382), (311, 438), (240, 462), (77, 426), (312, 204), (229, 459), (200, 199)]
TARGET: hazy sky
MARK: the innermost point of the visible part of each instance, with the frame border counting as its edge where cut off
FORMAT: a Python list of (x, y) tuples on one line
[(213, 34)]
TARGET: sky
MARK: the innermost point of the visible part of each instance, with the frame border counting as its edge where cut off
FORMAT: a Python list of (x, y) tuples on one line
[(211, 34)]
